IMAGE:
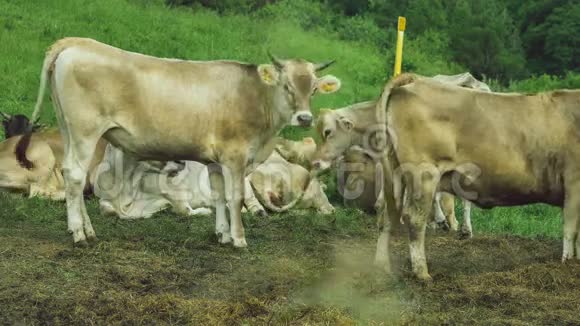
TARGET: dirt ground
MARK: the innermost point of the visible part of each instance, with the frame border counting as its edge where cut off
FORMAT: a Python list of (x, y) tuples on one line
[(298, 270)]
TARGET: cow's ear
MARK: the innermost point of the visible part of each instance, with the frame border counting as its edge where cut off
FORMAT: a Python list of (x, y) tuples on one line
[(269, 74), (346, 123), (328, 84)]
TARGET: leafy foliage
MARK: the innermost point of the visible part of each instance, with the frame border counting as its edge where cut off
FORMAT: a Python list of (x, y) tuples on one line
[(500, 39)]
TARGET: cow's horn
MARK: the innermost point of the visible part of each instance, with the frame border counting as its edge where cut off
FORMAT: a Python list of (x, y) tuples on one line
[(324, 65), (277, 62), (5, 115)]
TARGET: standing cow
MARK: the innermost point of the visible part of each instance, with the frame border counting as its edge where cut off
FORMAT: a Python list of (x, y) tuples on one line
[(493, 149), (221, 112)]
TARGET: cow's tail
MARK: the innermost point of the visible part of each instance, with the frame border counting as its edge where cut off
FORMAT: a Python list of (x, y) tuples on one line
[(392, 177), (382, 103), (267, 201), (24, 142)]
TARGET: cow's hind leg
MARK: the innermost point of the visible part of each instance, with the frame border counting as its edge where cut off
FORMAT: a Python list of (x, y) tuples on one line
[(448, 207), (421, 186), (571, 226), (216, 179), (78, 155), (440, 219), (466, 229)]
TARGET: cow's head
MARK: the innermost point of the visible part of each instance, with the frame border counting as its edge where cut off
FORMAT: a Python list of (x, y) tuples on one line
[(17, 124), (298, 81), (335, 131)]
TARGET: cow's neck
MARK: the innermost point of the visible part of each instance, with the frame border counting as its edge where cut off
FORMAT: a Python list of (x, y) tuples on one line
[(365, 122)]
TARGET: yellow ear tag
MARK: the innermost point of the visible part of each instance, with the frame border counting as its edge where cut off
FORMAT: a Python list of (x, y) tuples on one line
[(266, 76), (328, 87)]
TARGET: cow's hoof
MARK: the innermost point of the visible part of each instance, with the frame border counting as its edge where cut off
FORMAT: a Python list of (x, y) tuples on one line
[(81, 244), (92, 238), (240, 243), (443, 226), (464, 235), (262, 213), (425, 278), (567, 256), (224, 237)]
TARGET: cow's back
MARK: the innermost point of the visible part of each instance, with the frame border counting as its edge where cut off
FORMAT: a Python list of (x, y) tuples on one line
[(516, 144), (142, 98)]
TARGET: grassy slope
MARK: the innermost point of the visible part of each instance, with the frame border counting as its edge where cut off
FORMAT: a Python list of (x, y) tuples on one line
[(28, 28)]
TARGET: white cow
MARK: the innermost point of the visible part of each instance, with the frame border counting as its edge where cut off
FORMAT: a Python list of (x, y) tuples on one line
[(130, 189)]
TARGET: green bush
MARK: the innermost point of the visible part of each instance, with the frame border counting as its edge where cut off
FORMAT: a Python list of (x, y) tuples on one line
[(546, 82)]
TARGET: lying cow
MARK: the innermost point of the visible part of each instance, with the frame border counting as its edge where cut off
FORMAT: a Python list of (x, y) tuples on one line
[(221, 112), (39, 181), (493, 149), (280, 182), (130, 189), (17, 124), (43, 180)]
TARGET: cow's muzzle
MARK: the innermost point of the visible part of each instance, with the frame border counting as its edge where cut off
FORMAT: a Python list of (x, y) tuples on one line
[(303, 119)]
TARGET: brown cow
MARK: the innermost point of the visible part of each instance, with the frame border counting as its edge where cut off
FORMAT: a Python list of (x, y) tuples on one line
[(221, 112), (45, 179), (493, 149)]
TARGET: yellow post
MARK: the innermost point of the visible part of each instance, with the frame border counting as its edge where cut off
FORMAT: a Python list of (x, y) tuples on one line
[(399, 52)]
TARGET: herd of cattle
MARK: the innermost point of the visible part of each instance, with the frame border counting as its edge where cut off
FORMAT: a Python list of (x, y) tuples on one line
[(144, 134)]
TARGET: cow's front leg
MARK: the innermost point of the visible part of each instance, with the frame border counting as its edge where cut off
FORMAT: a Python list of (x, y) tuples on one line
[(466, 229), (222, 227), (571, 226), (235, 201)]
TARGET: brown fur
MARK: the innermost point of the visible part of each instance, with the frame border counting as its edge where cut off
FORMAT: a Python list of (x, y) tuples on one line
[(221, 112), (524, 147)]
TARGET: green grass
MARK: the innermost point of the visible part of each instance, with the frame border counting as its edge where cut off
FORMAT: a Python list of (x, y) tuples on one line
[(300, 268), (528, 221), (29, 27)]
